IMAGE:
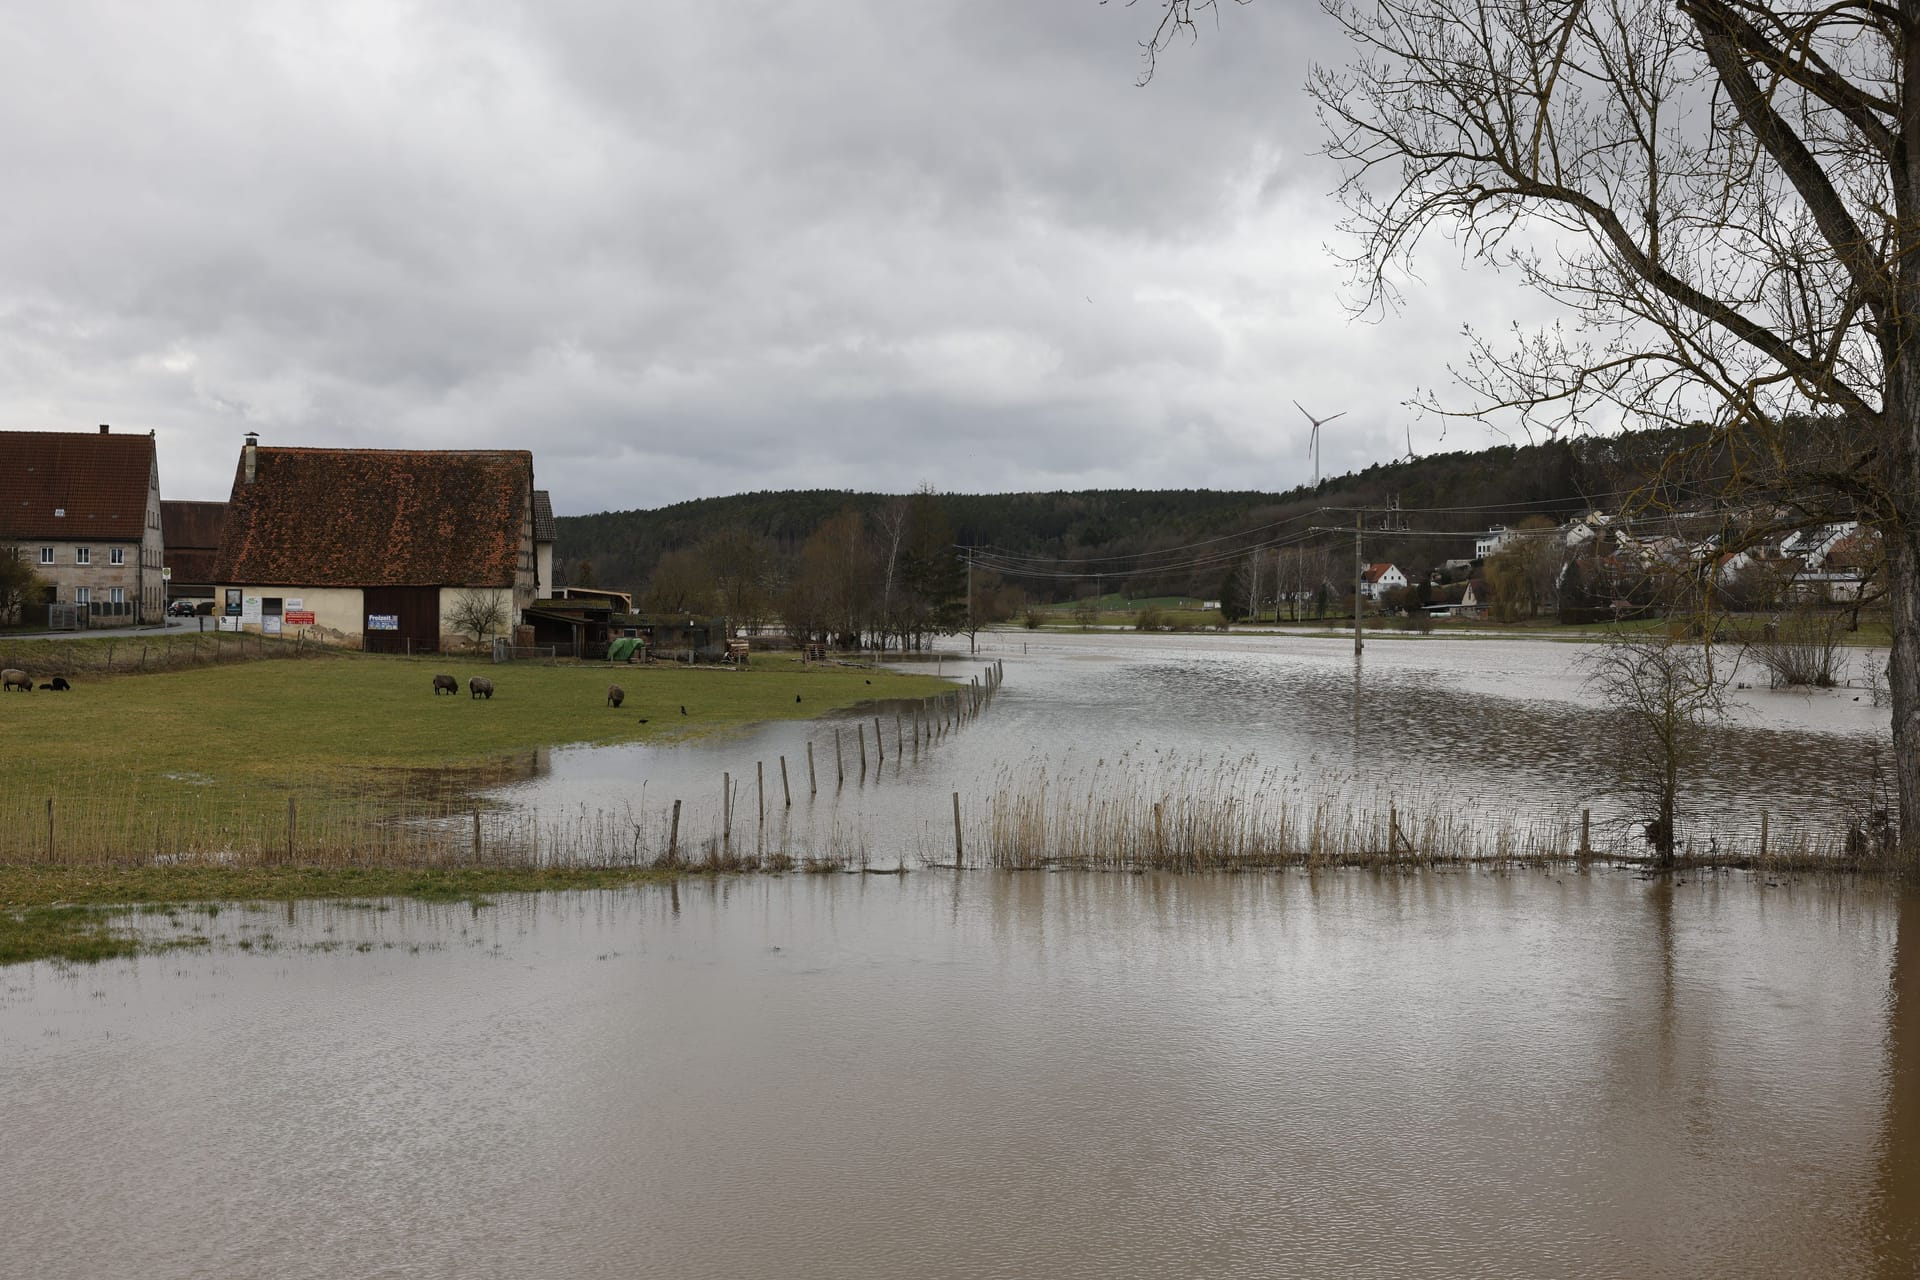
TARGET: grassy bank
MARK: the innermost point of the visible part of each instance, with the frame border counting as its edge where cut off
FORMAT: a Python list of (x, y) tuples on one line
[(353, 750)]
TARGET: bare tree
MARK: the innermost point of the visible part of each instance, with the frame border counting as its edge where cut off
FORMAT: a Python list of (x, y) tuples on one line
[(1664, 694), (1723, 197), (478, 613)]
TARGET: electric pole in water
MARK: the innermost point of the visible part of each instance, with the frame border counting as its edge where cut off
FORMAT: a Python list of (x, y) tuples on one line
[(972, 635), (1359, 574)]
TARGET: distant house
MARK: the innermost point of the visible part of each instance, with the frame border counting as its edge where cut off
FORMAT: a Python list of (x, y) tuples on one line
[(1492, 542), (1378, 579), (192, 534), (1475, 600), (543, 539), (380, 548), (83, 508)]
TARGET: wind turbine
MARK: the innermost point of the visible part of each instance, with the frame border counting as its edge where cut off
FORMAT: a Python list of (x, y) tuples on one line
[(1313, 437)]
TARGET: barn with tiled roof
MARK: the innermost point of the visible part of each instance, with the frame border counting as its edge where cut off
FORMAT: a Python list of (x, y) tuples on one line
[(192, 533), (387, 549), (84, 508)]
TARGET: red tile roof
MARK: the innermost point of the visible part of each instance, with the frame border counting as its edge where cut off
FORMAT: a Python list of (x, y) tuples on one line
[(1376, 571), (100, 482), (377, 517)]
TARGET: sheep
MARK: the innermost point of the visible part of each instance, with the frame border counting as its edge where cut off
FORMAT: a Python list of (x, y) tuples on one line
[(58, 684), (615, 696), (480, 687), (11, 679), (445, 684)]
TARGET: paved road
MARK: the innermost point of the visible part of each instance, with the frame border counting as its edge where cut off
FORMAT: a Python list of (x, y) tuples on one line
[(173, 626)]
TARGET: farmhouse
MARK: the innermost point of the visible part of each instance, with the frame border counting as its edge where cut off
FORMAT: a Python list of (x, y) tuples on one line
[(83, 508), (387, 549), (1378, 579)]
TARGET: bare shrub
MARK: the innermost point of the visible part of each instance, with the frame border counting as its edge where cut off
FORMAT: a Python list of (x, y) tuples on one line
[(1801, 650)]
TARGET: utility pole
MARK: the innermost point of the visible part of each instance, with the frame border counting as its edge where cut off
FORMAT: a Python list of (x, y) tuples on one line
[(973, 636), (1359, 572)]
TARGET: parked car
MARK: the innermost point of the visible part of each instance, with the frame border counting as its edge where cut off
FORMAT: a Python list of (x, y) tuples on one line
[(184, 608)]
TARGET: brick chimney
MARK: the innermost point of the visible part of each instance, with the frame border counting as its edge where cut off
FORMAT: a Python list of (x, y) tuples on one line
[(253, 441), (103, 428)]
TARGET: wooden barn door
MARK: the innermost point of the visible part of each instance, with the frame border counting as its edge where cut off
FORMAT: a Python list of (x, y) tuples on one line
[(401, 620)]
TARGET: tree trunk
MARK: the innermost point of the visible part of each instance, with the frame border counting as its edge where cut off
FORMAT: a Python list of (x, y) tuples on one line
[(1903, 681)]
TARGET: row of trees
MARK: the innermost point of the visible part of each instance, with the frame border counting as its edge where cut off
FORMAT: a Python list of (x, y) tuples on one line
[(887, 578)]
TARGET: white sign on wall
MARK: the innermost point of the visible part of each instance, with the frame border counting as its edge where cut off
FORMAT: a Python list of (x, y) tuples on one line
[(250, 609)]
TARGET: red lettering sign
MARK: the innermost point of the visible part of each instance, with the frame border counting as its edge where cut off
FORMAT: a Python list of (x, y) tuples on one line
[(300, 618)]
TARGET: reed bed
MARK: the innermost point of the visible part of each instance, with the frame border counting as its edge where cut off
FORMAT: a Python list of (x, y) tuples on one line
[(1161, 813)]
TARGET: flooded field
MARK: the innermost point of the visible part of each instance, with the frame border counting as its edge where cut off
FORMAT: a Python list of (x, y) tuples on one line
[(988, 1074), (1488, 733)]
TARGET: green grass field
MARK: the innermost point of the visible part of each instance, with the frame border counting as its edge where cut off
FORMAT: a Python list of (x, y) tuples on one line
[(200, 760)]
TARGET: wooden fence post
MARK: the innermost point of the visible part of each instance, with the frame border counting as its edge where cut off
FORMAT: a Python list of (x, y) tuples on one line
[(860, 732), (726, 812), (785, 793), (673, 835), (49, 830), (290, 829), (839, 763), (476, 838), (813, 784), (959, 854), (879, 743)]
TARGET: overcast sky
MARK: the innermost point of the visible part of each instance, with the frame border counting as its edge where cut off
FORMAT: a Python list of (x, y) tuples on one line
[(687, 250)]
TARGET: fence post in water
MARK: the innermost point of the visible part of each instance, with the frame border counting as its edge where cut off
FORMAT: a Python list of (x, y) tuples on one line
[(959, 855), (879, 743), (1586, 833), (785, 792), (860, 732), (476, 838), (760, 788), (1159, 832), (290, 827), (1763, 833), (839, 762), (899, 736), (673, 834), (726, 812), (813, 784)]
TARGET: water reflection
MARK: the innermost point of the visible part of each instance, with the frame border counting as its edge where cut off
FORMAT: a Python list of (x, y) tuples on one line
[(975, 1074), (1899, 1156)]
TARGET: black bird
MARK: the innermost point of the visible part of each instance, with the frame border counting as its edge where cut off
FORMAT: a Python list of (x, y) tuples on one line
[(796, 697), (869, 682), (643, 719), (683, 708)]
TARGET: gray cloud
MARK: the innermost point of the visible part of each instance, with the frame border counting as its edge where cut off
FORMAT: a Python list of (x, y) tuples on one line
[(681, 251)]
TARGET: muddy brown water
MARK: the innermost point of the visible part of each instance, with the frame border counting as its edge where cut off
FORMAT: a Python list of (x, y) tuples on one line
[(980, 1074)]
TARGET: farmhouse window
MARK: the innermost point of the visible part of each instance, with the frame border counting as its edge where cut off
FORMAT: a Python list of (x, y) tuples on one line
[(117, 594), (117, 556), (82, 555), (83, 595), (46, 555)]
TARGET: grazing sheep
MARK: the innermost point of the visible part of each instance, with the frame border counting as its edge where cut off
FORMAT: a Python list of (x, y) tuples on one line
[(615, 696), (11, 679), (480, 687), (58, 684), (445, 684)]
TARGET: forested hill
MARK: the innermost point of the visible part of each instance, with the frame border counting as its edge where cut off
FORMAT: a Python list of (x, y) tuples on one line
[(1464, 491)]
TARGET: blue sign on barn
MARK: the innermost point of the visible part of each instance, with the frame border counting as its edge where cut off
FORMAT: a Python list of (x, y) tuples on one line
[(383, 622)]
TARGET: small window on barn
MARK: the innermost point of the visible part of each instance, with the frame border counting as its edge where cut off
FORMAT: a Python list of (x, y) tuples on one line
[(82, 555), (118, 555), (270, 605)]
